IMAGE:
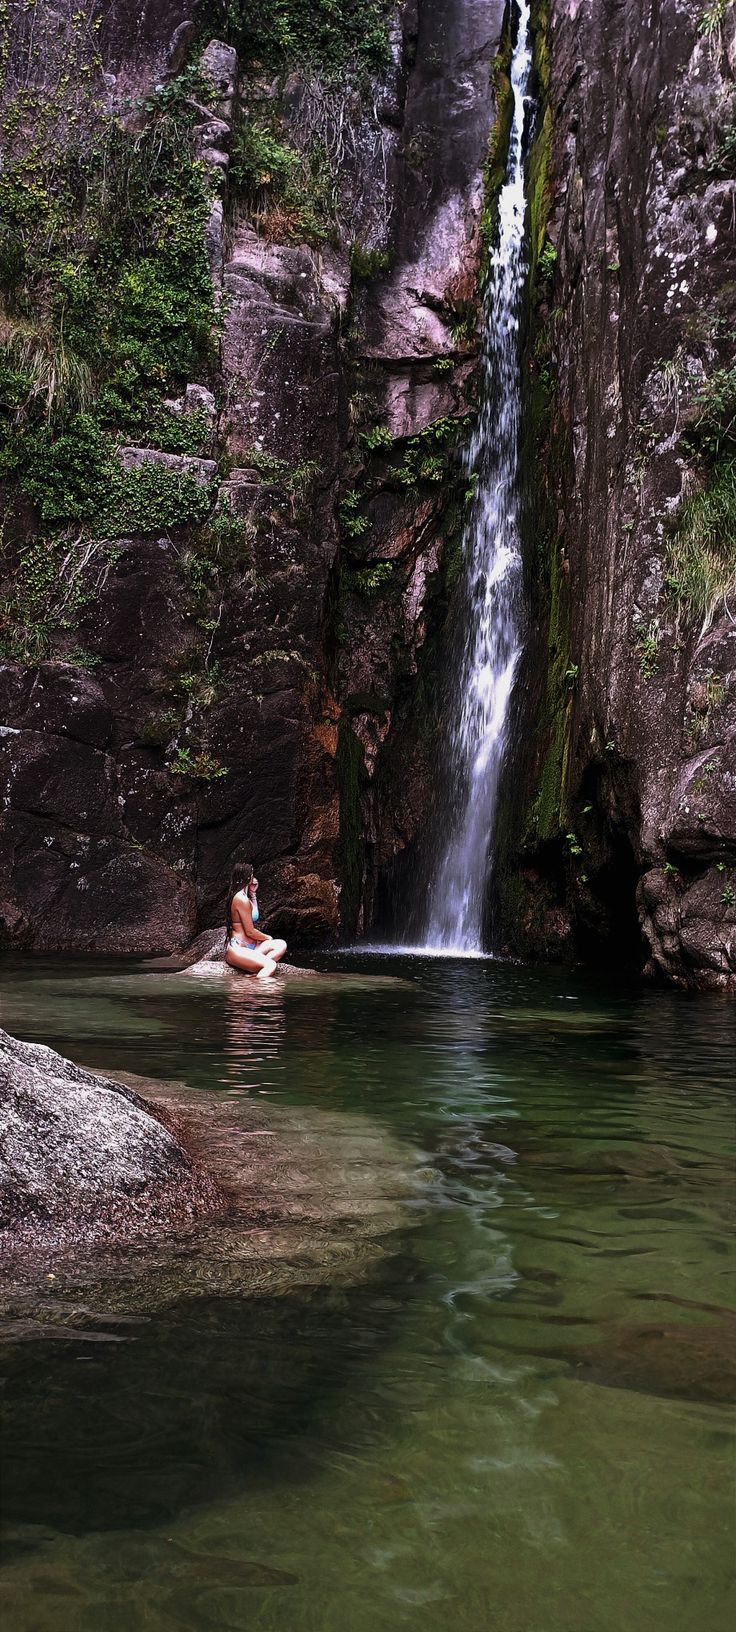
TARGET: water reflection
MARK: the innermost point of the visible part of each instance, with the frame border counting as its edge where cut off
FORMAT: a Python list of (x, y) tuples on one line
[(255, 1029), (522, 1406)]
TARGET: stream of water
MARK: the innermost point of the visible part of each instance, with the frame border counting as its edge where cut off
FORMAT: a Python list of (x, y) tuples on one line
[(513, 1419), (491, 596)]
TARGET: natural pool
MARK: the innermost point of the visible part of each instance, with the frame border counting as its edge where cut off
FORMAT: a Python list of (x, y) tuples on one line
[(515, 1419)]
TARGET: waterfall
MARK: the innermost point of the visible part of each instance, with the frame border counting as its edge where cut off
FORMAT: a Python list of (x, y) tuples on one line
[(487, 652)]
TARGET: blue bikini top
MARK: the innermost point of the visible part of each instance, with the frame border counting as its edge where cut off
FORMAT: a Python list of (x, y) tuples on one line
[(255, 914)]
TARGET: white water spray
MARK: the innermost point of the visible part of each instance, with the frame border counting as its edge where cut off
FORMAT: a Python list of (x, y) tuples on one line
[(492, 637)]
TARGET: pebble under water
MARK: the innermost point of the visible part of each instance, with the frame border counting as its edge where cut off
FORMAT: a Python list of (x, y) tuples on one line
[(514, 1417)]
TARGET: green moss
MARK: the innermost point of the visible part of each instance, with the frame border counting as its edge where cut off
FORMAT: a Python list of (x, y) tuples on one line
[(545, 448), (498, 141), (351, 857), (548, 813)]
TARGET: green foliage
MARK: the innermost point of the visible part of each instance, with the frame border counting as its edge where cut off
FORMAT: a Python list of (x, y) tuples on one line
[(429, 456), (711, 19), (152, 499), (573, 844), (369, 581), (260, 161), (289, 194), (547, 261), (728, 898), (353, 524), (647, 646), (177, 432), (200, 765), (109, 309), (366, 264), (702, 550), (50, 585), (330, 35), (76, 478), (68, 476), (376, 438), (713, 427), (223, 546)]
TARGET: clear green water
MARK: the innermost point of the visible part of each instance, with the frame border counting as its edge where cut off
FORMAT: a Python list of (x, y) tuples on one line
[(519, 1422)]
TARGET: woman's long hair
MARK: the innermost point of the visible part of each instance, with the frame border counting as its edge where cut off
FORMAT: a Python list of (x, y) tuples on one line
[(240, 878)]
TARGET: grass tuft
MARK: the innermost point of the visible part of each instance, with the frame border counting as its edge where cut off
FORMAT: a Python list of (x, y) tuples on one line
[(702, 555)]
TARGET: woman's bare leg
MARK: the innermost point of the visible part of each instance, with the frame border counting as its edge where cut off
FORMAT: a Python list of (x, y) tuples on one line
[(269, 968), (273, 949), (249, 963)]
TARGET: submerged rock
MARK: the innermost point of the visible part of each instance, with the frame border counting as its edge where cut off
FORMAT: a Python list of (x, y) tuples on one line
[(301, 1198), (84, 1159)]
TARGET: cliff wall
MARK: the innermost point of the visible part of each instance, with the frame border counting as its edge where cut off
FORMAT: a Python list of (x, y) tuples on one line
[(238, 328), (629, 809)]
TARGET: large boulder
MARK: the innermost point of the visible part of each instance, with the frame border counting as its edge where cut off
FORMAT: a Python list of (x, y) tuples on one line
[(84, 1159)]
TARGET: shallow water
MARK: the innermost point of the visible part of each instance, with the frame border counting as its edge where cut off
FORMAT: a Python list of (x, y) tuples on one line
[(517, 1418)]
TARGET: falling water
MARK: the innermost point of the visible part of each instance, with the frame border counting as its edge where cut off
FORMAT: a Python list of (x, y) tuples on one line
[(492, 633)]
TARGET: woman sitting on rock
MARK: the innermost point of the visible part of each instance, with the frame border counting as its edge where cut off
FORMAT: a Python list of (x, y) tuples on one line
[(247, 947)]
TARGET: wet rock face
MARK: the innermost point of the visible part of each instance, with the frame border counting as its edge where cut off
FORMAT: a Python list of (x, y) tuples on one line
[(82, 1159), (311, 654), (634, 323)]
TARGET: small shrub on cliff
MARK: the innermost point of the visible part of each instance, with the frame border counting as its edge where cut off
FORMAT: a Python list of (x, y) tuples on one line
[(722, 161), (289, 194), (294, 481), (200, 765), (353, 524), (702, 554), (367, 263), (713, 426), (376, 438), (547, 262), (369, 581)]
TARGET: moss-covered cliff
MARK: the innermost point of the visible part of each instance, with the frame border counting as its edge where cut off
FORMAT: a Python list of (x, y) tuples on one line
[(237, 269), (239, 248), (627, 808)]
